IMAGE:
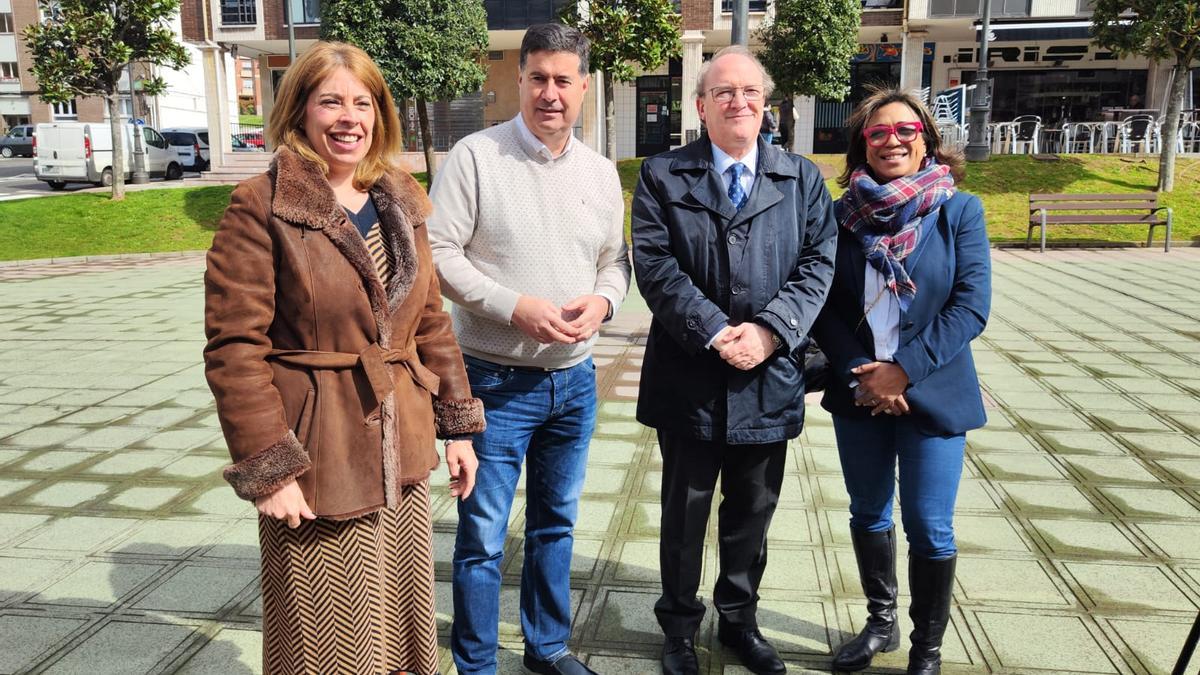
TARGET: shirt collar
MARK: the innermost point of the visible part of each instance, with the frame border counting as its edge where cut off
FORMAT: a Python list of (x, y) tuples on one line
[(536, 145), (722, 161)]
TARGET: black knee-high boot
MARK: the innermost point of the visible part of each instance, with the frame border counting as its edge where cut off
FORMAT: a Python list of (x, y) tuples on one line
[(932, 585), (876, 555)]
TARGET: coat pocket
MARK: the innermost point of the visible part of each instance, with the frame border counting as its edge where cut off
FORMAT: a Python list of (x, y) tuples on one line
[(304, 421)]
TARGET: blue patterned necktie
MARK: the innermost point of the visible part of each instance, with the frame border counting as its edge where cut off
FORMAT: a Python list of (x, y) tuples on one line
[(737, 194)]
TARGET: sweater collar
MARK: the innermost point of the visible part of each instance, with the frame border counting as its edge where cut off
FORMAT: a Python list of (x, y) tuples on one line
[(534, 145)]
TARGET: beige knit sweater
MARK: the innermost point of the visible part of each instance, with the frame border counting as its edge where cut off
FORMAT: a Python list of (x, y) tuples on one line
[(508, 221)]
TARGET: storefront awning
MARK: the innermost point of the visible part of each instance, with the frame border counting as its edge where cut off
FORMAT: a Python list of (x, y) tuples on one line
[(1031, 31)]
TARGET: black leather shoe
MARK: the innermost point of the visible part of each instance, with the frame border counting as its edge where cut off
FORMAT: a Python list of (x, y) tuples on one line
[(566, 664), (932, 585), (679, 657), (757, 655)]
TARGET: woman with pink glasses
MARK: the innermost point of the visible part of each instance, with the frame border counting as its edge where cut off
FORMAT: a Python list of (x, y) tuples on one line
[(911, 289)]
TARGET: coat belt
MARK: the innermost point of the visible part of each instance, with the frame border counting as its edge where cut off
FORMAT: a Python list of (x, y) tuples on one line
[(373, 361)]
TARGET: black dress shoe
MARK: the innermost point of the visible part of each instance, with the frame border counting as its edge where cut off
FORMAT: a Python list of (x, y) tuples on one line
[(566, 664), (679, 657), (757, 655)]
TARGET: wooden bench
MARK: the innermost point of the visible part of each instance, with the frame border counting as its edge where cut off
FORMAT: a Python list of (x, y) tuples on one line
[(1047, 209)]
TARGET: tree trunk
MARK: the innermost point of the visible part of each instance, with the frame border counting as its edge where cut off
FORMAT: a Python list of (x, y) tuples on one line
[(610, 119), (118, 147), (426, 139), (787, 123), (1170, 128), (402, 109)]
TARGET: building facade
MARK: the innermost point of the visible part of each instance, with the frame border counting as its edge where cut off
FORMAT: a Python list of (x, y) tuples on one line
[(182, 104)]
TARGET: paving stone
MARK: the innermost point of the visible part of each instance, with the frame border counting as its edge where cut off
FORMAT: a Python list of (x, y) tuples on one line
[(1027, 641), (129, 462), (987, 533), (608, 451), (995, 579), (596, 516), (1129, 587), (25, 638), (1048, 498), (67, 493), (108, 438), (168, 538), (22, 575), (626, 617), (1154, 643), (77, 533), (240, 541), (1149, 502), (795, 627), (221, 501), (1184, 470), (638, 562), (1111, 470), (791, 526), (646, 518), (145, 498), (1003, 441), (123, 647), (97, 584), (10, 486), (1081, 443), (45, 436), (1050, 420), (196, 589), (231, 652), (1130, 421), (1020, 467), (1162, 445), (1084, 538), (196, 466), (604, 480)]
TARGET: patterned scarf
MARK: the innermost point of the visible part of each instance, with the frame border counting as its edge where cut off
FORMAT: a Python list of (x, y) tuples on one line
[(886, 219)]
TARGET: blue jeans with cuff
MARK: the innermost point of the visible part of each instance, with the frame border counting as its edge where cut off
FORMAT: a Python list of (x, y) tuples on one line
[(544, 420), (930, 469)]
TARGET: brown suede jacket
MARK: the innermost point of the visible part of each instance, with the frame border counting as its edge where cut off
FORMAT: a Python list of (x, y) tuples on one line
[(319, 372)]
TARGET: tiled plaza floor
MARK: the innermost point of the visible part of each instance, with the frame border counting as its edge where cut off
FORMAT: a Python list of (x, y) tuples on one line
[(122, 550)]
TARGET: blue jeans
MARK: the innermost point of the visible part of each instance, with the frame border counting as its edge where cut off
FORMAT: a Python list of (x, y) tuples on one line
[(544, 419), (930, 468)]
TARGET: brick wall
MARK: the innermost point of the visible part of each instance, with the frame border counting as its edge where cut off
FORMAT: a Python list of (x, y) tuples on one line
[(697, 14), (194, 20), (276, 29), (882, 18)]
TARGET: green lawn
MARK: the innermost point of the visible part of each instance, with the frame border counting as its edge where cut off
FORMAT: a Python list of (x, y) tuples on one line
[(250, 120), (181, 219)]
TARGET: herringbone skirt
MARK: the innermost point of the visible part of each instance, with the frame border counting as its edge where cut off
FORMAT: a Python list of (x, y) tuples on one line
[(351, 596)]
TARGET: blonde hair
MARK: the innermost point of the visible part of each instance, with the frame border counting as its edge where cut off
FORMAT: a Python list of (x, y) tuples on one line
[(286, 125)]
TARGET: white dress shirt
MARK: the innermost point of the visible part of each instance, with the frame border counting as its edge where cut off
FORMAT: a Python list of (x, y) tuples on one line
[(722, 161), (535, 142), (884, 316)]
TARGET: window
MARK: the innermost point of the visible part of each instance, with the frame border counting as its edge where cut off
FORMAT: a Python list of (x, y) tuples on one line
[(153, 138), (755, 6), (305, 11), (64, 111), (974, 8), (882, 4), (248, 86), (238, 13), (10, 71), (6, 22)]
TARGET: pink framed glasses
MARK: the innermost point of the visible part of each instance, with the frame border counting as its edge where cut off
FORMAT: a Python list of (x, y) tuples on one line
[(905, 132)]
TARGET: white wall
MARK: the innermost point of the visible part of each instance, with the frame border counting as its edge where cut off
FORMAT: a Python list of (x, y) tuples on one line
[(183, 103), (625, 94), (1049, 8)]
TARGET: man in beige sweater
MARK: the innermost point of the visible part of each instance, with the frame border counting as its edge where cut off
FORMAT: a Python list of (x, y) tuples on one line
[(527, 235)]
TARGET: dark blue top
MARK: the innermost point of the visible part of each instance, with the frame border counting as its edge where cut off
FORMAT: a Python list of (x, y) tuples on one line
[(366, 218)]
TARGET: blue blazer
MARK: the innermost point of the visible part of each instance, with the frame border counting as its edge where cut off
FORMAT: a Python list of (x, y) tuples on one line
[(951, 266)]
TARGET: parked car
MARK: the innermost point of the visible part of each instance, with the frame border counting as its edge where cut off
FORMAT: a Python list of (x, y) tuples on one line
[(191, 145), (17, 142), (82, 152), (253, 138)]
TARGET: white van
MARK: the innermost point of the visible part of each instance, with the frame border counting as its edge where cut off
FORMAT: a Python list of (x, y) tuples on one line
[(81, 152)]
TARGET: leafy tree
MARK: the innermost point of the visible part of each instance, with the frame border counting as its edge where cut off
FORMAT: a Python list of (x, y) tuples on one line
[(82, 47), (624, 32), (428, 50), (808, 46), (1160, 30)]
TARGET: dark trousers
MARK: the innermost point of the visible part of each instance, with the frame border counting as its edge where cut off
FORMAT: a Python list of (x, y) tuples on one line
[(751, 476)]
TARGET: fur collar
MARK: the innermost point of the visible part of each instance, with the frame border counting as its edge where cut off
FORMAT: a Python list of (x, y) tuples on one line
[(303, 197)]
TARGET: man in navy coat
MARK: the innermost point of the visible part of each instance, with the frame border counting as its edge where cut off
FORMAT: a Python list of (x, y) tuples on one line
[(733, 244)]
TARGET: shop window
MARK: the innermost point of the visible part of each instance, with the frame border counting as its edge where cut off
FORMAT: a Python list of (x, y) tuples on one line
[(755, 6), (238, 13), (6, 22), (10, 71), (64, 111)]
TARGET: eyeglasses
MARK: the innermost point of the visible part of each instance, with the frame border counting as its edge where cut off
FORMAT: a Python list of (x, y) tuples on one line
[(726, 94), (905, 132)]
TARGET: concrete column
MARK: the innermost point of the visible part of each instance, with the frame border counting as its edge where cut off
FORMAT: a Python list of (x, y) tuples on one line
[(912, 57), (215, 88), (693, 58)]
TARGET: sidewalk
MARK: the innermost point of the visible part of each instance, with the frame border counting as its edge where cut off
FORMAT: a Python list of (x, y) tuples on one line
[(123, 551)]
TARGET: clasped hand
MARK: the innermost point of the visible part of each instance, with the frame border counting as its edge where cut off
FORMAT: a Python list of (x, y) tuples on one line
[(547, 323), (881, 387), (745, 345)]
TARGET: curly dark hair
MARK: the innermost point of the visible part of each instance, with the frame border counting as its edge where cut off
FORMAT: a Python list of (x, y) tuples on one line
[(856, 153)]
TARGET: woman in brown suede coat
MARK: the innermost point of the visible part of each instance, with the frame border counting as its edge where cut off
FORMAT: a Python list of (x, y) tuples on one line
[(334, 367)]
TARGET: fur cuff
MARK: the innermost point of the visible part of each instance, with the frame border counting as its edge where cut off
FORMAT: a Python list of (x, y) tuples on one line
[(263, 473), (458, 417)]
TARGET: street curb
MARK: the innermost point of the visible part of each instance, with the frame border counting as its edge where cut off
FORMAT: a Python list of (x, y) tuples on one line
[(98, 258)]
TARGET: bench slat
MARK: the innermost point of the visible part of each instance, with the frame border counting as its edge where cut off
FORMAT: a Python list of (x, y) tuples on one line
[(1091, 206), (1142, 196), (1084, 219)]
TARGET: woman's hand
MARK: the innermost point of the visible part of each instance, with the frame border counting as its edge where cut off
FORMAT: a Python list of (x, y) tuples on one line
[(286, 503), (880, 384), (460, 459)]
